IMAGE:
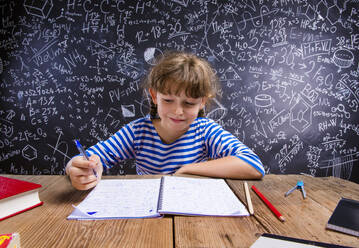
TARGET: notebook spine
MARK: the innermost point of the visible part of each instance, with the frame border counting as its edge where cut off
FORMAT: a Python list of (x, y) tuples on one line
[(343, 229), (160, 195)]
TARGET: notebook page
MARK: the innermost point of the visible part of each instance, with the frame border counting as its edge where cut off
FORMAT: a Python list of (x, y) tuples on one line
[(266, 242), (197, 196), (120, 198)]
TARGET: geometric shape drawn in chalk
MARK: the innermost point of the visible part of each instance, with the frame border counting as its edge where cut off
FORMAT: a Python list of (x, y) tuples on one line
[(310, 12), (150, 54), (343, 58), (217, 113), (29, 152), (38, 8), (100, 50), (333, 14), (342, 166), (301, 115), (144, 104), (128, 110), (322, 10), (230, 74), (263, 100), (258, 126)]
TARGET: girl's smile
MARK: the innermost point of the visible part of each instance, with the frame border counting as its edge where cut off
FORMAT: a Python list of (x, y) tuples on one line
[(176, 120)]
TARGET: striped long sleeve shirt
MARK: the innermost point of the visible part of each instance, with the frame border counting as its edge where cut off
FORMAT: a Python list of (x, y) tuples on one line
[(139, 140)]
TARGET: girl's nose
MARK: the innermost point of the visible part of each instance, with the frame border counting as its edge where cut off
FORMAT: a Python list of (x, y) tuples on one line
[(179, 110)]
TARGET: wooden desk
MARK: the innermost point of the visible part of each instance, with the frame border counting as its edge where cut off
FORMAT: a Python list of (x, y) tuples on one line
[(46, 226)]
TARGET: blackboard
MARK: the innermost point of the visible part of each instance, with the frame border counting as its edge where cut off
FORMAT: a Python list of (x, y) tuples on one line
[(289, 71)]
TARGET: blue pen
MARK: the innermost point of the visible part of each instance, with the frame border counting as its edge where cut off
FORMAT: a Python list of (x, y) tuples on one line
[(83, 153)]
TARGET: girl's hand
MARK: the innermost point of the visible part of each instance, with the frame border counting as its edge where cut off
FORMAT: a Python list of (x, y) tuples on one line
[(182, 170), (81, 172)]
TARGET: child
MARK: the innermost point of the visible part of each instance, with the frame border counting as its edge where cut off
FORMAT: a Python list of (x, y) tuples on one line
[(175, 137)]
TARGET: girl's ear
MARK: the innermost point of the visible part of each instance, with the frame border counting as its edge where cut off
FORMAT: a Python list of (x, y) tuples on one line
[(203, 103), (153, 94)]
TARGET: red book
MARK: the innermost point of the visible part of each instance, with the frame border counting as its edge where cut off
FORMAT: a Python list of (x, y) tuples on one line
[(17, 196), (11, 240)]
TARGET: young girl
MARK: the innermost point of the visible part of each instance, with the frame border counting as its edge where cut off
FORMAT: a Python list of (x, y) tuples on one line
[(175, 137)]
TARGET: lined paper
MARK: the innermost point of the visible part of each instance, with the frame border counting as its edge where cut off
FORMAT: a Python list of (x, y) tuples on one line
[(144, 198), (200, 196), (120, 198)]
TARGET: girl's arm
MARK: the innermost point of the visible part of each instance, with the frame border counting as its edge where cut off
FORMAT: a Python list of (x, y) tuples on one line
[(227, 167), (102, 155), (117, 148), (227, 156)]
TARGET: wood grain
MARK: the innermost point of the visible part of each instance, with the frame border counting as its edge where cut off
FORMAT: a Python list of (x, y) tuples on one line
[(305, 218), (46, 226), (216, 231)]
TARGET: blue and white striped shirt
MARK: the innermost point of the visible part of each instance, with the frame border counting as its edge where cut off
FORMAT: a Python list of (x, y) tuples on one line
[(204, 140)]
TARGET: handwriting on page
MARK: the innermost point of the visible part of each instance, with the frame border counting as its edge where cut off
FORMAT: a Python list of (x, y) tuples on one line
[(114, 198), (200, 196)]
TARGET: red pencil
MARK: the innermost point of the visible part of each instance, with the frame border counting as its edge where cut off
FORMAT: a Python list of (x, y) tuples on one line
[(271, 207)]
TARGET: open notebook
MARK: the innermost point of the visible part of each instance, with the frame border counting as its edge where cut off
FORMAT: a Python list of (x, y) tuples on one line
[(146, 198)]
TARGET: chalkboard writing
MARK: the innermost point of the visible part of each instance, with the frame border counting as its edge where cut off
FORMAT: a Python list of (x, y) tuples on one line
[(289, 72)]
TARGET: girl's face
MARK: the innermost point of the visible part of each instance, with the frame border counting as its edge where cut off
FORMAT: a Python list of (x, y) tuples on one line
[(176, 112)]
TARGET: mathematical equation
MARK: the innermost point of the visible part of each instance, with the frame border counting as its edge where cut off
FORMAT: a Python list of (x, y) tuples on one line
[(289, 74)]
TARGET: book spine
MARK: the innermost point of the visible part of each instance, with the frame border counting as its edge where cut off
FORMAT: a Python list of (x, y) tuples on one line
[(160, 194), (21, 211), (343, 229)]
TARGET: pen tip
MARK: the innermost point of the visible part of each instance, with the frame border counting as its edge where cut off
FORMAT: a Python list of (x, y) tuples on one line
[(281, 218)]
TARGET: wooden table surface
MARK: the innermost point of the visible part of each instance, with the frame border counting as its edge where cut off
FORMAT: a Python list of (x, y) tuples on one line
[(47, 226)]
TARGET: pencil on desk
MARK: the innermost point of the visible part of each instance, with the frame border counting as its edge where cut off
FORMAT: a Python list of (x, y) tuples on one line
[(248, 197), (271, 207)]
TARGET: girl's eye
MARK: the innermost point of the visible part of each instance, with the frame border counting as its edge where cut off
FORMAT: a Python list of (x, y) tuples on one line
[(190, 103), (167, 100)]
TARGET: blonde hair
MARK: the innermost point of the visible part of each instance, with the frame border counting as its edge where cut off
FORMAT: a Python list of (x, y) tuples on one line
[(175, 72)]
